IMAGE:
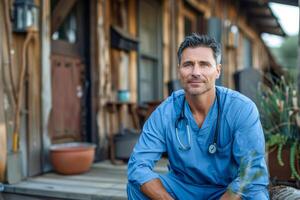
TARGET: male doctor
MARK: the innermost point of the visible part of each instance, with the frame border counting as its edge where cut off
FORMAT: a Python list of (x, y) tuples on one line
[(212, 135)]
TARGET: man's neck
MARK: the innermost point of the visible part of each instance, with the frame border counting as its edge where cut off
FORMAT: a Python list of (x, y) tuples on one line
[(201, 104)]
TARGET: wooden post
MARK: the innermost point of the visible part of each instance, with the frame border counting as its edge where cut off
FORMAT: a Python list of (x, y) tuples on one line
[(132, 16), (174, 29), (3, 136), (166, 45), (5, 94), (46, 96)]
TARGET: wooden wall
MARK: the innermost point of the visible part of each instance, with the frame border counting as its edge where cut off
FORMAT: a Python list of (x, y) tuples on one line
[(3, 130), (233, 56), (102, 63), (12, 45)]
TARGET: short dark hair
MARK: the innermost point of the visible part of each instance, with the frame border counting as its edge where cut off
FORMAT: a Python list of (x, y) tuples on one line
[(195, 40)]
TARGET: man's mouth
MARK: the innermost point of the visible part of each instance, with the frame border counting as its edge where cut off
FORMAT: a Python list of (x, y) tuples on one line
[(195, 82)]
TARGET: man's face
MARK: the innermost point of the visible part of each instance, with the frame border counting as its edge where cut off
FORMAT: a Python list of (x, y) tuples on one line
[(198, 70)]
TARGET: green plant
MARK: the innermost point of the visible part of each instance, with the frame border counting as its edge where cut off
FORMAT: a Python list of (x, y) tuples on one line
[(280, 118)]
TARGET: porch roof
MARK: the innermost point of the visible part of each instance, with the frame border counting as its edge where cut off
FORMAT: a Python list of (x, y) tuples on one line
[(261, 16)]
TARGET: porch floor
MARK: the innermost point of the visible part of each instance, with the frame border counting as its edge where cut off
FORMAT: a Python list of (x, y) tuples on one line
[(103, 181)]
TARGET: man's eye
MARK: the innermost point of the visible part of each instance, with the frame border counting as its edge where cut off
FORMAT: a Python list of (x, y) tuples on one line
[(187, 64), (205, 65)]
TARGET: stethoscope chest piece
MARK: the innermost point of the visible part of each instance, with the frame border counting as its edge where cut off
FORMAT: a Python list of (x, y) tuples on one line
[(212, 148)]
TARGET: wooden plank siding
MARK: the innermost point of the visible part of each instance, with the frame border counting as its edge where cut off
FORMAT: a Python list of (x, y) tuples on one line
[(34, 145), (166, 16), (132, 29), (103, 64), (3, 132)]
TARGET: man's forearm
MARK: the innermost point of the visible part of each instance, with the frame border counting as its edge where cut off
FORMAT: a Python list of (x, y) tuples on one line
[(230, 196), (155, 190)]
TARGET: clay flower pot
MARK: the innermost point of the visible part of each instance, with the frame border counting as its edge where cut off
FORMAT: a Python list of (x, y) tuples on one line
[(72, 158)]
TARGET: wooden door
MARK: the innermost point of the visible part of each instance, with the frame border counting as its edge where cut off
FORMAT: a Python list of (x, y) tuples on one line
[(68, 69)]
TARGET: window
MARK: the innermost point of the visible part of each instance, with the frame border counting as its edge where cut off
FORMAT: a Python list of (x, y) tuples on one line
[(247, 53)]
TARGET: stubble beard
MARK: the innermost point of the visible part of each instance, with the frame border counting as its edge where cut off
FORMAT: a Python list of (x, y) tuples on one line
[(196, 91)]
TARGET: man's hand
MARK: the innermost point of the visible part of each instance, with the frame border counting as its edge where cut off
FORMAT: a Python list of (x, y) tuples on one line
[(155, 190), (230, 196)]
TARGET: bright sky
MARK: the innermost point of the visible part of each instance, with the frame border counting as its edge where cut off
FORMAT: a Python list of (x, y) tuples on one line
[(288, 17)]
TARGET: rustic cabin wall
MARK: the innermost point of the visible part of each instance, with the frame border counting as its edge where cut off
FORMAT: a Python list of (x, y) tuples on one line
[(166, 45), (104, 70), (10, 74), (46, 96), (34, 107), (30, 139), (173, 36), (3, 64), (119, 58), (180, 21), (94, 79), (94, 71), (227, 12), (132, 74), (231, 34)]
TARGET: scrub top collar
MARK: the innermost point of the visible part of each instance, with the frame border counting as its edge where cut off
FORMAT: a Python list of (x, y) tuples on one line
[(209, 121)]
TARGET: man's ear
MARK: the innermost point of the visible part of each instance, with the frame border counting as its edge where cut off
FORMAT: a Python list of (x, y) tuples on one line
[(177, 70), (219, 69)]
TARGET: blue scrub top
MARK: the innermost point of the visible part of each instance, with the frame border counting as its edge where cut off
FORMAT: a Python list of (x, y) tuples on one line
[(240, 145)]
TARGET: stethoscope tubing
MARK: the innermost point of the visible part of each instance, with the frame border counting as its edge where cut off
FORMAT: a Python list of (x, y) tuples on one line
[(213, 146)]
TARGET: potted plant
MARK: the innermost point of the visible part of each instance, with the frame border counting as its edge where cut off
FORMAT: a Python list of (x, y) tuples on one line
[(280, 119)]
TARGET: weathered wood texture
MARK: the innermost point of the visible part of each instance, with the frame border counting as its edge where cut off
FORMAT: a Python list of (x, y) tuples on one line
[(132, 75), (3, 134), (103, 181), (166, 39), (30, 109), (34, 107), (103, 68), (65, 118), (8, 196), (46, 95)]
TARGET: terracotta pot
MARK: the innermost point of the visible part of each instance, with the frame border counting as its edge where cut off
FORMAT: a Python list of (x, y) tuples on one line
[(72, 158)]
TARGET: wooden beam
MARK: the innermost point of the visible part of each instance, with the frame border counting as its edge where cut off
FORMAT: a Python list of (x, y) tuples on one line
[(34, 106), (200, 6), (60, 12), (132, 22), (166, 44)]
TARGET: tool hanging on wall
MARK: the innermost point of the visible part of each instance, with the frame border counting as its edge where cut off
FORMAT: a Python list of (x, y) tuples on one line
[(14, 161)]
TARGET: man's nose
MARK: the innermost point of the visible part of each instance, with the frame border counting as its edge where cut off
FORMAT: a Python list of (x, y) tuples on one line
[(197, 70)]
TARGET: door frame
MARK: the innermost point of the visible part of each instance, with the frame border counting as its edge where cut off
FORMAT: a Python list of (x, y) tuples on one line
[(46, 95)]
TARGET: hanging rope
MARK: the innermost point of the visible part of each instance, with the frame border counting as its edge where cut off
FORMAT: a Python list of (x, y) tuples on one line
[(9, 45), (16, 134)]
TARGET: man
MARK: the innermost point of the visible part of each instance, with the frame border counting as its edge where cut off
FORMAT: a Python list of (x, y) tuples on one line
[(212, 135)]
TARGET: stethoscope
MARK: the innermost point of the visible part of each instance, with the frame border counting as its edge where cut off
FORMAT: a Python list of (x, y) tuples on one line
[(212, 148)]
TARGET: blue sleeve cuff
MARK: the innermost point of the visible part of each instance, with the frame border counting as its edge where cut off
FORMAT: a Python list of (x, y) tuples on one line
[(250, 193), (235, 187), (142, 175)]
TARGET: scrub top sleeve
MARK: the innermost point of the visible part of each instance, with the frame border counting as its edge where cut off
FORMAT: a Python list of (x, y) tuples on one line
[(249, 151), (148, 150)]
